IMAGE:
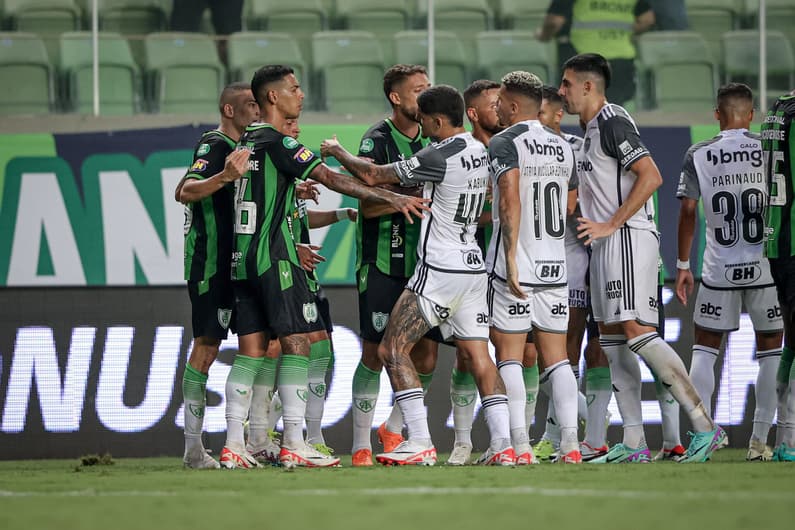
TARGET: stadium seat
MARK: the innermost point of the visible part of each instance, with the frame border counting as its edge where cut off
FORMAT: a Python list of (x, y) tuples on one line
[(26, 80), (119, 80), (676, 72), (249, 50), (525, 15), (741, 60), (452, 67), (712, 18), (299, 18), (185, 75), (46, 18), (500, 52), (382, 19), (350, 71), (465, 18), (780, 16)]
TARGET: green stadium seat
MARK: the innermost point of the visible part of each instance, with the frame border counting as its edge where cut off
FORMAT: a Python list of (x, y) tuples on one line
[(350, 71), (26, 79), (741, 60), (526, 15), (382, 19), (780, 16), (676, 71), (119, 80), (185, 74), (46, 18), (465, 18), (712, 18), (299, 18), (500, 52), (452, 67), (249, 50)]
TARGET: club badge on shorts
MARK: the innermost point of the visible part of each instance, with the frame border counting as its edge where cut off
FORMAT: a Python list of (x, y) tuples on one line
[(379, 321), (310, 312), (224, 317)]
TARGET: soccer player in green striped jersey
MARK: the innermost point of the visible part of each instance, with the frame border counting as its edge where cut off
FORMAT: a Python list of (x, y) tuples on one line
[(778, 146), (272, 294), (386, 256), (207, 193)]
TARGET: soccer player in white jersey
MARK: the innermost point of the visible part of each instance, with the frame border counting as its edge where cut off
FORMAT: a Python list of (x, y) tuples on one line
[(448, 288), (726, 174), (617, 180), (532, 170), (593, 409)]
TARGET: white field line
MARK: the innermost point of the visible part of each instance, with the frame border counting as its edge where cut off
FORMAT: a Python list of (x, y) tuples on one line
[(429, 490)]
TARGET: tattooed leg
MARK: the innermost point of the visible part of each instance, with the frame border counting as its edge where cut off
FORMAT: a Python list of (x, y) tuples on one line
[(406, 327)]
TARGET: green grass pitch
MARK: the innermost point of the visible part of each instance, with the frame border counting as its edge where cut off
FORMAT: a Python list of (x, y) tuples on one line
[(142, 494)]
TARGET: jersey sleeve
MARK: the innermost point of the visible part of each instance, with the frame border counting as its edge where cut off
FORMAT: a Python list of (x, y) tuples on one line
[(574, 179), (292, 158), (427, 165), (502, 155), (209, 159), (688, 180), (620, 140), (373, 146)]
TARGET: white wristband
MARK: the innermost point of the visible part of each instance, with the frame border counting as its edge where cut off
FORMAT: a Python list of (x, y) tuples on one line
[(342, 214), (683, 265)]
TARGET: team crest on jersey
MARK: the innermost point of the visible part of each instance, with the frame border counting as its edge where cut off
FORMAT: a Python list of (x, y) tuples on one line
[(289, 142), (203, 150), (199, 165), (303, 155), (379, 321), (367, 145), (224, 317), (310, 312)]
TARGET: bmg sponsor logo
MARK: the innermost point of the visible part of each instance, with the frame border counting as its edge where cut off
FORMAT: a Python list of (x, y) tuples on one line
[(536, 148), (752, 156)]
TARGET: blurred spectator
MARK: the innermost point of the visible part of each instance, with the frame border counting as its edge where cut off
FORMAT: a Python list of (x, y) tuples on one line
[(669, 15), (606, 28), (227, 17)]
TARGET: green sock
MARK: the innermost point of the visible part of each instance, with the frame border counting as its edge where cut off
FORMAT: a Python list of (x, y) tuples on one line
[(425, 381), (194, 385), (530, 376), (319, 361)]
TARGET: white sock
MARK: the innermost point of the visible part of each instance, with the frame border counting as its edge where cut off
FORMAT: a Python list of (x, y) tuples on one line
[(702, 373), (669, 410), (625, 375), (671, 371), (551, 427), (495, 409), (293, 376), (511, 373), (320, 358), (582, 402), (412, 405), (261, 396), (564, 395), (274, 411), (238, 398), (765, 391), (463, 394), (394, 423)]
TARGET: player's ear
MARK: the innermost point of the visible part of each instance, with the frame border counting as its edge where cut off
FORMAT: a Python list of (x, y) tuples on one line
[(472, 114), (394, 98), (229, 111), (272, 96)]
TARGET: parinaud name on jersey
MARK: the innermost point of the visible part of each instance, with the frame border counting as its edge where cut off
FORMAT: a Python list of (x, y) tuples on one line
[(738, 178)]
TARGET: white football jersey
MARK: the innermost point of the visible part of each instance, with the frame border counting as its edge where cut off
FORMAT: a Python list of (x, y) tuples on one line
[(576, 144), (546, 173), (727, 174), (610, 147), (455, 172)]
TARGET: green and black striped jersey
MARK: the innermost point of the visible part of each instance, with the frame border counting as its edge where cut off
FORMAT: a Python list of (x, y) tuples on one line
[(388, 241), (265, 200), (209, 221), (300, 225), (778, 147)]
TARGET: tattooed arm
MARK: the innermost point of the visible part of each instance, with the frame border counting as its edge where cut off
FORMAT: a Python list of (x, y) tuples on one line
[(510, 215), (372, 174)]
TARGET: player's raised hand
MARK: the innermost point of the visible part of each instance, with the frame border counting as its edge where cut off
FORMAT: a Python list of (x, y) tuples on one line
[(684, 285), (329, 146), (307, 191), (236, 165), (411, 206), (308, 257)]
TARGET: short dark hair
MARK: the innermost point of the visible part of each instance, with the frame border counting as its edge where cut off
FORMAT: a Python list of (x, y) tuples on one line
[(550, 93), (398, 73), (591, 63), (444, 100), (265, 76), (523, 83), (734, 91), (229, 91), (477, 88)]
